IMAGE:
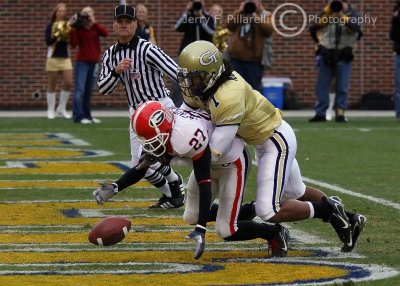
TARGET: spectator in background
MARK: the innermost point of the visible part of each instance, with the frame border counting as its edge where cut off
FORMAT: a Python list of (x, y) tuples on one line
[(395, 37), (250, 26), (195, 23), (144, 30), (58, 61), (266, 59), (85, 35), (338, 36)]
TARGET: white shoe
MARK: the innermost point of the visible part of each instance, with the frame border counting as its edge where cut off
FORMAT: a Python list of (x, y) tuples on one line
[(329, 114), (95, 120), (86, 121), (63, 113), (50, 114)]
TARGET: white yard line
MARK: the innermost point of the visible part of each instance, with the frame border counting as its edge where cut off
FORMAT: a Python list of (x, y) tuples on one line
[(351, 193)]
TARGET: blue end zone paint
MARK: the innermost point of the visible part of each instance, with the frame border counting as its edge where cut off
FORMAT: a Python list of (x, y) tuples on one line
[(66, 142), (354, 271), (88, 153), (30, 165), (210, 268), (71, 213)]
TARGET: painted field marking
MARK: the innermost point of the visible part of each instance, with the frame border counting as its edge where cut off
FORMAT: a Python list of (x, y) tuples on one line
[(26, 255), (51, 213), (40, 139), (60, 184), (62, 167), (55, 142), (29, 153), (36, 136)]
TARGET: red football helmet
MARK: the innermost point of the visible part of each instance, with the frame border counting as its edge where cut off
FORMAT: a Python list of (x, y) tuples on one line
[(152, 122)]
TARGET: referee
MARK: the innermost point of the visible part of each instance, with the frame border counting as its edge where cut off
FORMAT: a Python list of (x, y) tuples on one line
[(140, 66)]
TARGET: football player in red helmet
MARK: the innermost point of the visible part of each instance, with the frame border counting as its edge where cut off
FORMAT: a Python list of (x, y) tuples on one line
[(152, 122), (184, 136)]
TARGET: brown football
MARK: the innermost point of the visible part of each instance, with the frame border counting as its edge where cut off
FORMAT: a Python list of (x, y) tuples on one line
[(110, 231)]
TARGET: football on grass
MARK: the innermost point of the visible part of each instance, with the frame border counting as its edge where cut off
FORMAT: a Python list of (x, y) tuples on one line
[(110, 231)]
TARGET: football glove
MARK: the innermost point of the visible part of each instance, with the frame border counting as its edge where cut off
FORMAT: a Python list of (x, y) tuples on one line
[(200, 242), (105, 192)]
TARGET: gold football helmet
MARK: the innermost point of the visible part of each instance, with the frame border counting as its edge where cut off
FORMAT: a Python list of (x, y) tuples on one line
[(200, 65)]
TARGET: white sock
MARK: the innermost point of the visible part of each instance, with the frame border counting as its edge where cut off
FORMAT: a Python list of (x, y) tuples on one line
[(172, 177), (165, 190), (312, 212)]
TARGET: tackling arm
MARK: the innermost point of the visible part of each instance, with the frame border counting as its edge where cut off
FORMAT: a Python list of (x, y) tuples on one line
[(201, 168), (221, 139), (106, 190)]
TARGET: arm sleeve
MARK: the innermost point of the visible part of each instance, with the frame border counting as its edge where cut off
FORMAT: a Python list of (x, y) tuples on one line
[(265, 24), (395, 29), (201, 168), (102, 30), (73, 38), (207, 23), (157, 58), (108, 78), (181, 24), (232, 22), (130, 177), (314, 32), (352, 24), (221, 139), (48, 38)]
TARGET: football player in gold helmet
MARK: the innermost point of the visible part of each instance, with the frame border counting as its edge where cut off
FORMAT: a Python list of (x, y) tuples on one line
[(208, 83)]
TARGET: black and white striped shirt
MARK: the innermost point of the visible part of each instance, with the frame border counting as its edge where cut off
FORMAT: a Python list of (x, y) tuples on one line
[(143, 83)]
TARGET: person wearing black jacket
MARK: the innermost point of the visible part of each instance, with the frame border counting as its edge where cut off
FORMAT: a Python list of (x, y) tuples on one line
[(395, 37), (195, 23)]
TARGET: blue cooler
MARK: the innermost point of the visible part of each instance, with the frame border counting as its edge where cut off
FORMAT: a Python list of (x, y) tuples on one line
[(274, 92)]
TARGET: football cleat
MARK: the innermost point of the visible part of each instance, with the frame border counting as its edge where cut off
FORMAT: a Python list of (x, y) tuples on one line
[(178, 196), (168, 202), (252, 210), (357, 222), (340, 221), (279, 243)]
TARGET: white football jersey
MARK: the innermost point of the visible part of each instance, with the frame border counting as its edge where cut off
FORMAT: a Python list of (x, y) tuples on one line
[(191, 133)]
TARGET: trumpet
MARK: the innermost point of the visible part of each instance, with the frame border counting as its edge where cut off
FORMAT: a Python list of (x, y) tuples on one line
[(60, 30), (220, 38)]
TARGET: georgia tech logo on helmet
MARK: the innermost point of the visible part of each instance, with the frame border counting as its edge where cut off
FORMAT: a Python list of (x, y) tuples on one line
[(157, 118), (211, 59)]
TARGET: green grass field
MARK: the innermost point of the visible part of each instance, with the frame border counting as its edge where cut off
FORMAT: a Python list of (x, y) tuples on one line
[(48, 170)]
